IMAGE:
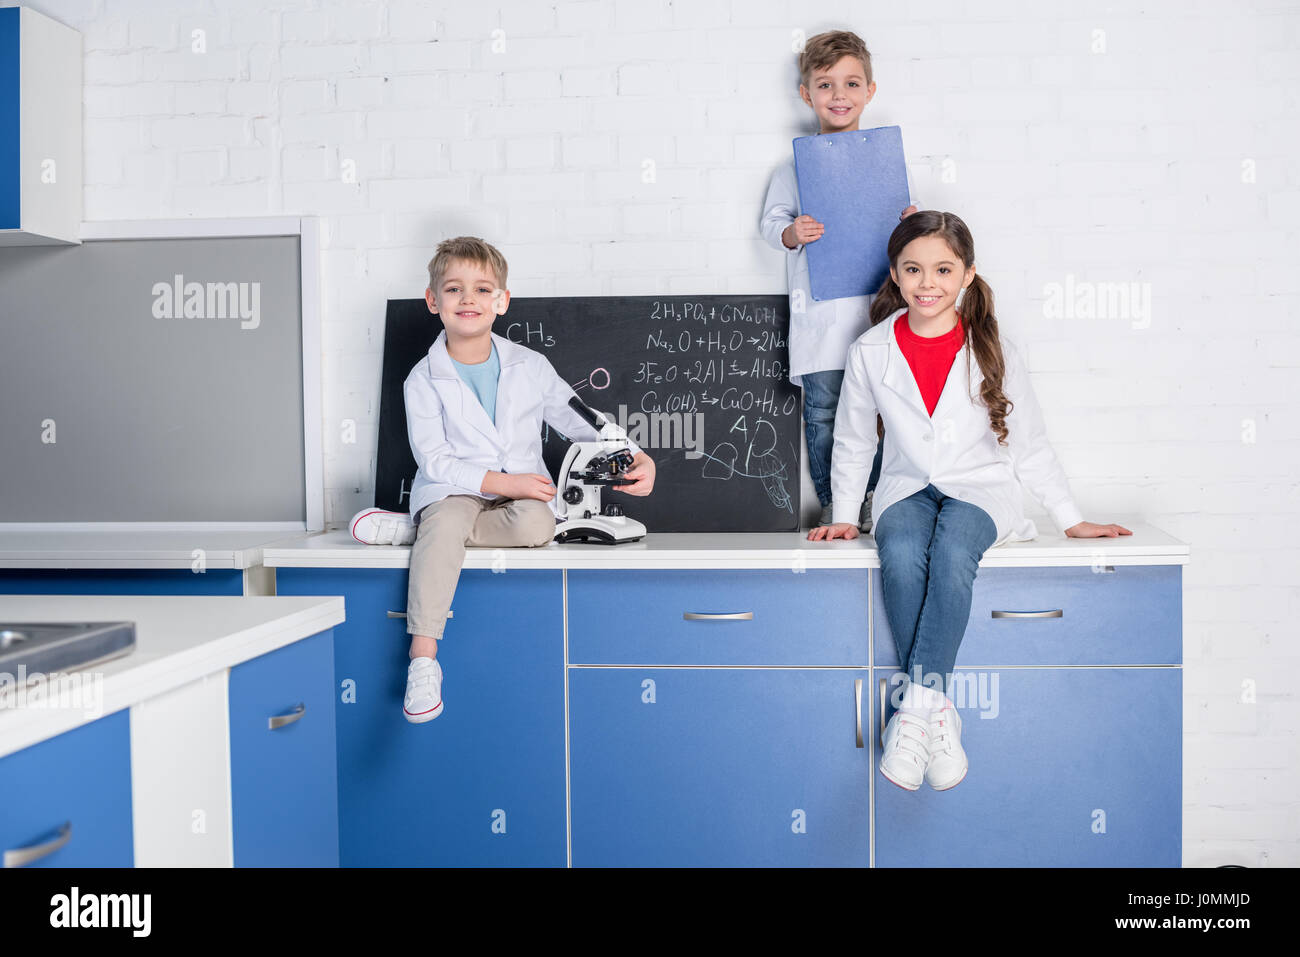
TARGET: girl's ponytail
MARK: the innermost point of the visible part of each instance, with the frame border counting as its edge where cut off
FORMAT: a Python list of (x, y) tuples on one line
[(976, 311)]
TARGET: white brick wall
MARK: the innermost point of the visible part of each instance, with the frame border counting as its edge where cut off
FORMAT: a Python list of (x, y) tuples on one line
[(1103, 144)]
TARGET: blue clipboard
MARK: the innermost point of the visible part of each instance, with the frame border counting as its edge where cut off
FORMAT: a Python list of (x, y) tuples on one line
[(854, 183)]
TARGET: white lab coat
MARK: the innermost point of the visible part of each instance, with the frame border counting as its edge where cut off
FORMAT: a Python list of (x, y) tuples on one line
[(821, 334), (455, 442), (956, 449)]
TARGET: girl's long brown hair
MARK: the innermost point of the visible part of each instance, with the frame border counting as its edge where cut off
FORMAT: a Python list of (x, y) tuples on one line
[(981, 326)]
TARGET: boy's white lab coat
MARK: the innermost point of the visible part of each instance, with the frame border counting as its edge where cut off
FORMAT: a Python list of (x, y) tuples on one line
[(956, 449), (822, 331), (455, 442)]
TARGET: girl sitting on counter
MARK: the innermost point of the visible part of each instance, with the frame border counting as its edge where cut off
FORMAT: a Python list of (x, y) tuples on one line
[(956, 449)]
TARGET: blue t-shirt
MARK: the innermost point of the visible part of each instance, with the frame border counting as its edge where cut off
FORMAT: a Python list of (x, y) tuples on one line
[(482, 378)]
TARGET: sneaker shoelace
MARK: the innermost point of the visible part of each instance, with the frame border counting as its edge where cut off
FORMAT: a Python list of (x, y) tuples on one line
[(420, 677), (940, 739), (906, 740)]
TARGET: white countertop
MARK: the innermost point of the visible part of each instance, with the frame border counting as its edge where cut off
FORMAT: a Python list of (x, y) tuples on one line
[(337, 549), (179, 639), (62, 547)]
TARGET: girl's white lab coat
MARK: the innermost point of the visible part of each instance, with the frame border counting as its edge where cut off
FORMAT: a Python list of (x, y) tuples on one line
[(955, 449), (455, 442)]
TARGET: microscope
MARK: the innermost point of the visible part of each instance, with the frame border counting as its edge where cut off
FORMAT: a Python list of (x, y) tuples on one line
[(586, 468)]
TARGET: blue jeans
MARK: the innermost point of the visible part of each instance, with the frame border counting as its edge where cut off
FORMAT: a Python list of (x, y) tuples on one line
[(821, 396), (930, 545)]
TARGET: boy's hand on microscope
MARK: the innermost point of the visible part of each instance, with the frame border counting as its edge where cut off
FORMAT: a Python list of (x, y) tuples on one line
[(525, 485), (905, 213), (643, 471), (804, 229), (828, 532)]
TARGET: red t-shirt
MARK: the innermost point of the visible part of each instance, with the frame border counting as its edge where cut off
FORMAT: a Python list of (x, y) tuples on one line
[(929, 359)]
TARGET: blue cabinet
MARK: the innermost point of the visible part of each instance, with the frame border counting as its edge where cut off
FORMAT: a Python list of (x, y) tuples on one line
[(483, 784), (10, 91), (120, 581), (719, 767), (283, 774), (1073, 767), (67, 801)]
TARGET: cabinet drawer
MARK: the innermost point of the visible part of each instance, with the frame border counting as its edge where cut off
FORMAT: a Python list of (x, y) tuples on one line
[(1063, 616), (723, 617), (82, 779), (283, 779)]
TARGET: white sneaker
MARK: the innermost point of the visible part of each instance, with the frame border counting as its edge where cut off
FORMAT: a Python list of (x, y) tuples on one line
[(948, 764), (374, 526), (907, 749), (423, 690)]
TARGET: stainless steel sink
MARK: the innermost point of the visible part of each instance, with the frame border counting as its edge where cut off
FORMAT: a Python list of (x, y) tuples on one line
[(48, 647)]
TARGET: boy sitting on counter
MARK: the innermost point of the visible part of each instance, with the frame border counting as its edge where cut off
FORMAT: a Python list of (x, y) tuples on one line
[(474, 411)]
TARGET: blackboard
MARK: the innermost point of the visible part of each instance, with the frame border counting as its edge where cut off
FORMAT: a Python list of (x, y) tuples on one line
[(700, 383)]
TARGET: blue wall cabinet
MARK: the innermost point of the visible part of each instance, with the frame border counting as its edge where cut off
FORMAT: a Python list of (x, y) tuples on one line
[(51, 818), (483, 783), (718, 767), (40, 129), (1074, 767), (283, 774)]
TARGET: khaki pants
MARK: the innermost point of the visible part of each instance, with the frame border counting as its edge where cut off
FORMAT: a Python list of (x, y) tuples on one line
[(444, 529)]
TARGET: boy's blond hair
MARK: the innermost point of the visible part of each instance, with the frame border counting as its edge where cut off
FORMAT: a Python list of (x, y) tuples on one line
[(469, 248), (825, 50)]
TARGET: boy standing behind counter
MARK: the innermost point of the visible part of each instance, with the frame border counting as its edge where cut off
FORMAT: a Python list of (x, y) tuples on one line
[(835, 80), (474, 411)]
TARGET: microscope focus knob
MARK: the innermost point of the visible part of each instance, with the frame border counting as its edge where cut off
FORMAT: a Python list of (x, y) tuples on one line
[(573, 494)]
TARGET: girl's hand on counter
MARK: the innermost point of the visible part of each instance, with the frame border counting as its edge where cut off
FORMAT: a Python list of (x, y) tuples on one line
[(1091, 530), (643, 471), (829, 532)]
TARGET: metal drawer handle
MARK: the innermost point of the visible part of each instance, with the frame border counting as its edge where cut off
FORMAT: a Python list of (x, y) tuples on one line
[(25, 855), (402, 614), (857, 706), (1055, 613), (733, 616), (280, 720), (884, 690)]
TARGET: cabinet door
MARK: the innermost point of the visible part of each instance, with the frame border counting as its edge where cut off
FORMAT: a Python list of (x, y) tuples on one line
[(1077, 767), (47, 803), (718, 767), (283, 779), (483, 783)]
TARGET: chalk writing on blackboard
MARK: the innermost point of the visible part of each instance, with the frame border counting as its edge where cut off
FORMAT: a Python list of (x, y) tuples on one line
[(701, 383)]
